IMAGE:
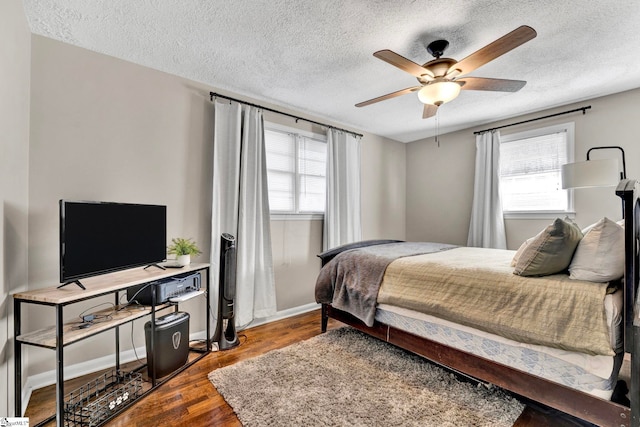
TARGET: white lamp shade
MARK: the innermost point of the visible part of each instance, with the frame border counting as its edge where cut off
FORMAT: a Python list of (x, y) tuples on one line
[(437, 93), (591, 173)]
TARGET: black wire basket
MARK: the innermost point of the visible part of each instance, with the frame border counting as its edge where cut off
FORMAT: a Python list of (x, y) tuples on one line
[(96, 401)]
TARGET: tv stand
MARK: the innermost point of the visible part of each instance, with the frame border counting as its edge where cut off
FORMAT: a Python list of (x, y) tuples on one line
[(77, 282), (62, 334), (155, 265)]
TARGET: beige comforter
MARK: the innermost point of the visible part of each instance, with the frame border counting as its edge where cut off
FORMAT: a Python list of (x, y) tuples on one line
[(477, 287)]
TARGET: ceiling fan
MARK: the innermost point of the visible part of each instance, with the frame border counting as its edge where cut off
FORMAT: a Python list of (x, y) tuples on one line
[(439, 78)]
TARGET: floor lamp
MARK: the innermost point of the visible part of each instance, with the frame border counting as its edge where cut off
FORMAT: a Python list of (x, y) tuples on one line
[(594, 173)]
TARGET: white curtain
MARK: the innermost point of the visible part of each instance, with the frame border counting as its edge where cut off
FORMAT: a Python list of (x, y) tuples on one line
[(486, 229), (342, 211), (240, 206)]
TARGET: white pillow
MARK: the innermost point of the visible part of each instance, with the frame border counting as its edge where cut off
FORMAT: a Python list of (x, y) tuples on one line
[(599, 256)]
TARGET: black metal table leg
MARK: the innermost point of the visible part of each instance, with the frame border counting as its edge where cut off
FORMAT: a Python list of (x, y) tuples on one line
[(208, 299), (17, 354), (59, 366)]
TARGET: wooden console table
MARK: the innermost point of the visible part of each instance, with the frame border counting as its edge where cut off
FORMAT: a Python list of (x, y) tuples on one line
[(60, 335)]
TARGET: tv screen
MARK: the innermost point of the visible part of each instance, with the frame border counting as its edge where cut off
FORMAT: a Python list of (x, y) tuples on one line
[(101, 237)]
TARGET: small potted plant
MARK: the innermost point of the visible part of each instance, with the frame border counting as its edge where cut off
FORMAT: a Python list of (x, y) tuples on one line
[(183, 249)]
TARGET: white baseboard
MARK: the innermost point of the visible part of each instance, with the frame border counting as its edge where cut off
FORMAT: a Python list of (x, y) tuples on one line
[(284, 314), (44, 379)]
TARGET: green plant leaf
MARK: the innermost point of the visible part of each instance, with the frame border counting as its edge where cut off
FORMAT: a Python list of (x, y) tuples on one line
[(181, 246)]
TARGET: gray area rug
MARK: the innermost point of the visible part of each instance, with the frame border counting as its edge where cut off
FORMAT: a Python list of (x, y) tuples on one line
[(346, 378)]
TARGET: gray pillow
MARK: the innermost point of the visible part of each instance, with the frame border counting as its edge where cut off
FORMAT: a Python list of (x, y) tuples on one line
[(550, 252)]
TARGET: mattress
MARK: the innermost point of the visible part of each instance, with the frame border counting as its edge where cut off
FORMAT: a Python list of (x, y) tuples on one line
[(593, 374), (476, 287)]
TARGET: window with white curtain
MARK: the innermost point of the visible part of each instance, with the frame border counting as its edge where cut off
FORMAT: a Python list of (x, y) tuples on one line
[(296, 171), (530, 177)]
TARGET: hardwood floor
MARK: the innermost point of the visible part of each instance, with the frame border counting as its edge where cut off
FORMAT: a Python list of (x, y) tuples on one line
[(190, 399)]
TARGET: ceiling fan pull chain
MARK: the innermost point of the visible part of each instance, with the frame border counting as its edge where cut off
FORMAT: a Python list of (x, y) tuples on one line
[(438, 127)]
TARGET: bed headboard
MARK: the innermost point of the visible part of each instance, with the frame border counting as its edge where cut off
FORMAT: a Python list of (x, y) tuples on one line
[(628, 191)]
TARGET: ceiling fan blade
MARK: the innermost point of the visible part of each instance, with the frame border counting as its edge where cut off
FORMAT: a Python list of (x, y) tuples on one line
[(430, 110), (495, 49), (403, 63), (389, 96), (499, 85)]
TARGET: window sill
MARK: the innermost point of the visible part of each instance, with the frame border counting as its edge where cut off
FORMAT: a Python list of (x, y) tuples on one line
[(296, 217), (539, 215)]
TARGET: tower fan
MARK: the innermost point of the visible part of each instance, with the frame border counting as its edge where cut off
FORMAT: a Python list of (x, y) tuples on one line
[(225, 334)]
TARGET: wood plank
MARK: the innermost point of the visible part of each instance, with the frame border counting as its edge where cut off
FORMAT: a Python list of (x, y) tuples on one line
[(72, 332), (105, 283)]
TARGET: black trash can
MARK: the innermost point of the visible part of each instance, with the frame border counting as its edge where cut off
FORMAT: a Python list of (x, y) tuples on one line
[(171, 343)]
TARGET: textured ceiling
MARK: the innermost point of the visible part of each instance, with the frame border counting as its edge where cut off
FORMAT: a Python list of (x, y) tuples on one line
[(315, 56)]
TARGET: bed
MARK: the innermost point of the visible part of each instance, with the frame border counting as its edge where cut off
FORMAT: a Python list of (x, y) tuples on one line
[(549, 336)]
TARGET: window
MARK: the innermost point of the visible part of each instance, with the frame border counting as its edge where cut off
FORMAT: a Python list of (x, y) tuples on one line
[(296, 170), (530, 177)]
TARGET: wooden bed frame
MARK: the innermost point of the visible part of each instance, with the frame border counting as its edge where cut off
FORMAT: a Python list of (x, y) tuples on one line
[(568, 400)]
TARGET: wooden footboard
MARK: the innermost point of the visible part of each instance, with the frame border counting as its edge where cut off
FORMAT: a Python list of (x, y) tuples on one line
[(565, 399)]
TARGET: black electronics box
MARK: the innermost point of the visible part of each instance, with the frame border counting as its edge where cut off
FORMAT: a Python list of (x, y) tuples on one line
[(165, 288), (170, 343)]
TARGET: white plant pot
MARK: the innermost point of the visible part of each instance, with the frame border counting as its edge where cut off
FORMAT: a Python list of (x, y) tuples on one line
[(183, 259)]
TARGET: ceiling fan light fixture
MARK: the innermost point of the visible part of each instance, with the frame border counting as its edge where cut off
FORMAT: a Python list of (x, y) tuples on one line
[(437, 93)]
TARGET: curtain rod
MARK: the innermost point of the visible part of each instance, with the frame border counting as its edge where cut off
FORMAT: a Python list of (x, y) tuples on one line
[(583, 109), (217, 95)]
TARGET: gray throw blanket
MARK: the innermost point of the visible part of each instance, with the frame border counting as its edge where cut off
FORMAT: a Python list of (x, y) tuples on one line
[(351, 281)]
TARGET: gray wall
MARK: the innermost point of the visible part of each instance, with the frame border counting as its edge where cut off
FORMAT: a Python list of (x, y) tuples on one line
[(440, 179), (106, 129), (15, 48)]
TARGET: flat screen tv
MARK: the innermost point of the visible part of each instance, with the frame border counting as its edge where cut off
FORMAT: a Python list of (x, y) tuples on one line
[(102, 237)]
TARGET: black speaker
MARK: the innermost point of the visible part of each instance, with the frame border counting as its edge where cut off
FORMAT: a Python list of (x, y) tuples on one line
[(170, 343), (225, 334)]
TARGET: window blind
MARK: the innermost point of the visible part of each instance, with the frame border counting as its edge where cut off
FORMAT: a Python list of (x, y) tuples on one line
[(296, 169), (281, 170), (312, 161), (530, 177)]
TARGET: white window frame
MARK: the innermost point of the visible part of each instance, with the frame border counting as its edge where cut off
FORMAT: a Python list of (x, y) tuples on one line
[(569, 128), (295, 216)]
